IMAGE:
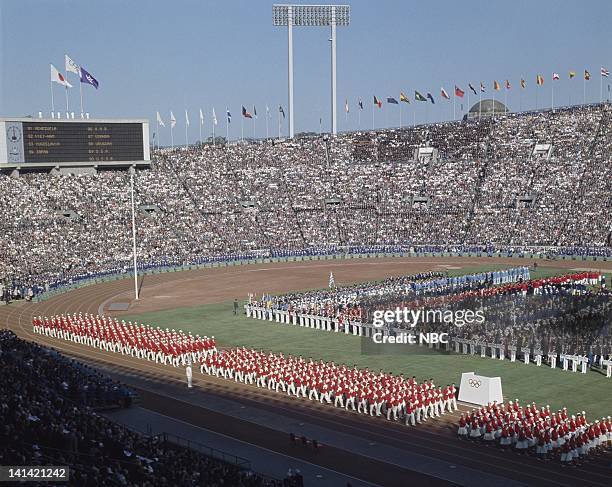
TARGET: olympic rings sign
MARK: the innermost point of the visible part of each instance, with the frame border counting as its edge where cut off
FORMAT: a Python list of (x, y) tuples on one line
[(475, 383)]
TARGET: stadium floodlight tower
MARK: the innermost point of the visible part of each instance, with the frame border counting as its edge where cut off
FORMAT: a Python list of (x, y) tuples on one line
[(311, 16)]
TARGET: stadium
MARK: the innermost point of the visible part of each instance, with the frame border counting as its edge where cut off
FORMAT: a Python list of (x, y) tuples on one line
[(421, 304)]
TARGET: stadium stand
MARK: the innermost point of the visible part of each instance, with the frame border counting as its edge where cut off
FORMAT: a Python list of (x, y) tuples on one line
[(537, 179), (48, 415)]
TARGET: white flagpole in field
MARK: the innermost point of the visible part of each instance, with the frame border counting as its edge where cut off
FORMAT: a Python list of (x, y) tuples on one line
[(134, 234), (267, 117)]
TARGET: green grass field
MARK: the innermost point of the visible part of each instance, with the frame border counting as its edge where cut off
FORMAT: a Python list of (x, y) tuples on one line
[(591, 392)]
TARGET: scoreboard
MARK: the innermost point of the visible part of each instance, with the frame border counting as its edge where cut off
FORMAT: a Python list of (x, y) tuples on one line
[(33, 142)]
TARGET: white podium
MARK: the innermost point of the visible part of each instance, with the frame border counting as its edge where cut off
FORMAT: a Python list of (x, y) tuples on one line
[(477, 389)]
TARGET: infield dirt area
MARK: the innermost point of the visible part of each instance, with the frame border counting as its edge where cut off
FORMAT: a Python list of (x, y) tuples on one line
[(214, 285)]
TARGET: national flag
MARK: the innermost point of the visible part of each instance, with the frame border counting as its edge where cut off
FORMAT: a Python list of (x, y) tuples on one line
[(267, 110), (201, 117), (459, 92), (496, 86), (159, 120), (214, 117), (88, 79), (404, 98), (418, 96), (539, 80), (572, 74), (604, 72), (254, 111), (507, 84), (186, 118), (172, 120), (377, 102), (360, 104), (431, 98), (71, 66), (522, 83), (555, 76), (57, 77), (472, 88), (587, 75), (346, 107), (444, 94), (482, 87), (280, 109), (392, 100), (229, 115), (246, 114)]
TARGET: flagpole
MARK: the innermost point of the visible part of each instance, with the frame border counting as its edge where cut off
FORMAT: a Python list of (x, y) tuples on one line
[(67, 109), (454, 98), (157, 131), (480, 102), (242, 128), (552, 95), (506, 98), (200, 132), (521, 98), (600, 86), (134, 233), (359, 118), (186, 137), (372, 116), (226, 125), (267, 117), (279, 124), (583, 90), (171, 136), (52, 102), (81, 92), (213, 127), (400, 107), (537, 90)]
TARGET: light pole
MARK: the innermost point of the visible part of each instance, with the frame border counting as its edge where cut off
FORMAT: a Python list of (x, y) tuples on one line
[(311, 16)]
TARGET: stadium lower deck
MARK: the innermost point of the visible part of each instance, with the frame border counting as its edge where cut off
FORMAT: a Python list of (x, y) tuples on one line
[(156, 383)]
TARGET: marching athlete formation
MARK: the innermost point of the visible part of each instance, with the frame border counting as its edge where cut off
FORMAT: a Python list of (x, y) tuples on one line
[(540, 431), (361, 390), (137, 340)]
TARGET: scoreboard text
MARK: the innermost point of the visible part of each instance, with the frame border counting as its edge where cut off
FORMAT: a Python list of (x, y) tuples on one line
[(65, 142)]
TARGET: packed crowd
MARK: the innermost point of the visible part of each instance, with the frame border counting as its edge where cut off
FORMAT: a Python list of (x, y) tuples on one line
[(360, 300), (485, 186), (545, 433), (48, 417), (341, 299), (557, 315)]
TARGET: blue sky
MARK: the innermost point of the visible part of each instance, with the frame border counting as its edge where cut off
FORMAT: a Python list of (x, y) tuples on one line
[(172, 55)]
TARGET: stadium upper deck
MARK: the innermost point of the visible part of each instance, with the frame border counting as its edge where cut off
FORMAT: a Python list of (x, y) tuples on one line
[(541, 178)]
